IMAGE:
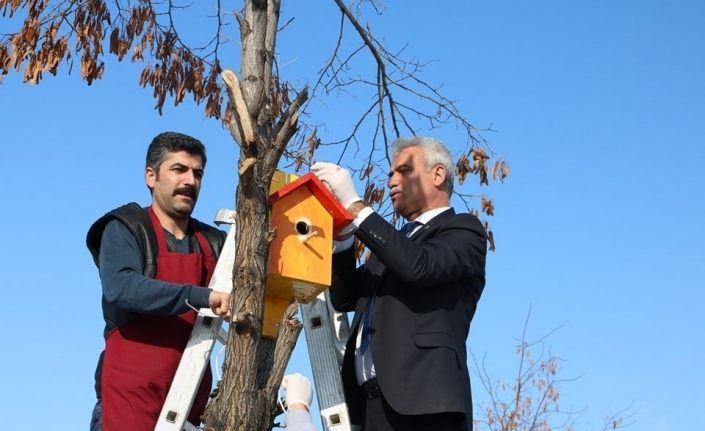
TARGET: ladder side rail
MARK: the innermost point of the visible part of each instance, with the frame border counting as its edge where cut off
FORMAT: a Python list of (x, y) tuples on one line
[(326, 333), (196, 356)]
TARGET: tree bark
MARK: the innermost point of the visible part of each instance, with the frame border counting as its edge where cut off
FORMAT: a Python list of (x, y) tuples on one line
[(246, 397)]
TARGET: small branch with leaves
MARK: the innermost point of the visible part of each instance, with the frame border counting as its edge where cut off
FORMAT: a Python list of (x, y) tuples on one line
[(532, 400)]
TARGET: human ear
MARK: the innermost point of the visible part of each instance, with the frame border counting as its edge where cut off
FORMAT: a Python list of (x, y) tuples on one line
[(150, 177), (439, 175)]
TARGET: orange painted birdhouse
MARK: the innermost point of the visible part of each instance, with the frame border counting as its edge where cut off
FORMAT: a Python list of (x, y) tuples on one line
[(305, 216)]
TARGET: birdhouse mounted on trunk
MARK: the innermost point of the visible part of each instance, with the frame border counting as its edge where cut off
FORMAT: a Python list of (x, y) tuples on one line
[(305, 216)]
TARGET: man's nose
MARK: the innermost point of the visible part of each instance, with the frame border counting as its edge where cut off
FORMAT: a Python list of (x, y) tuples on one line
[(189, 177), (392, 181)]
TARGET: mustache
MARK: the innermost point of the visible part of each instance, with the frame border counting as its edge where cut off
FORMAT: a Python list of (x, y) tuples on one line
[(186, 191)]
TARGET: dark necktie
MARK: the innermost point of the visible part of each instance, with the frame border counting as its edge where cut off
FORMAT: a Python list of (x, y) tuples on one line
[(365, 339), (408, 228)]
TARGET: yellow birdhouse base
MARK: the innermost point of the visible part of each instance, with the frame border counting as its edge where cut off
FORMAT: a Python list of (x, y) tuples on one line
[(303, 291), (279, 293)]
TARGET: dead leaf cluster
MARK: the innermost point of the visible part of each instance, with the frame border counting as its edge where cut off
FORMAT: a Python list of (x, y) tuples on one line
[(490, 235), (478, 166), (373, 195), (35, 44), (42, 43), (313, 142), (487, 206), (279, 98)]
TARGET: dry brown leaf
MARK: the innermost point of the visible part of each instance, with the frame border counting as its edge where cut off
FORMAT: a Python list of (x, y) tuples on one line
[(373, 194), (487, 206), (86, 66), (378, 195), (32, 71), (313, 143), (52, 31), (462, 167), (145, 76), (369, 188), (505, 171), (228, 115), (483, 175), (479, 158), (114, 40), (366, 173), (299, 161), (5, 59)]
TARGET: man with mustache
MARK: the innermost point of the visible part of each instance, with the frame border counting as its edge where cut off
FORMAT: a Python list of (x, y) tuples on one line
[(405, 364), (154, 263)]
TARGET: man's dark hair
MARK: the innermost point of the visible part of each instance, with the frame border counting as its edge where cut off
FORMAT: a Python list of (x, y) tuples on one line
[(172, 142)]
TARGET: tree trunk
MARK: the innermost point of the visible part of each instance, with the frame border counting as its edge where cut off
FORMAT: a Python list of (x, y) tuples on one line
[(246, 397)]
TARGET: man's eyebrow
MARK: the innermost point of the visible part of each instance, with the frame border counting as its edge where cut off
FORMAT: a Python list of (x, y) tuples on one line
[(398, 168), (181, 165)]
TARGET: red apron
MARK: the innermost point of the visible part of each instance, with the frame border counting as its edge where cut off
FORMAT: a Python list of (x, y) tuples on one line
[(141, 357)]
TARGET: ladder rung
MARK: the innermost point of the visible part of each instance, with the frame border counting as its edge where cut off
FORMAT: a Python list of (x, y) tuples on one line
[(336, 418)]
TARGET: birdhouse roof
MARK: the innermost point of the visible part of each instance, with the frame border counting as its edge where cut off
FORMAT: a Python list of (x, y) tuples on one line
[(341, 217)]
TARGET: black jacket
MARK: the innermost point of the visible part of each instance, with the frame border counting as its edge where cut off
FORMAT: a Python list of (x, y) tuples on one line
[(427, 288)]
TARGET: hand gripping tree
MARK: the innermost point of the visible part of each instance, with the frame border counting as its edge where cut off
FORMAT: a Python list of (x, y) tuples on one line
[(263, 116)]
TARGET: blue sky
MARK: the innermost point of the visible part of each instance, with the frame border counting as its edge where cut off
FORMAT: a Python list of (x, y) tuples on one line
[(599, 107)]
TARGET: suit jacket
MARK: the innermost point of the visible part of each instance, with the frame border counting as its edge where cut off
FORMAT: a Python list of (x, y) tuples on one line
[(426, 288)]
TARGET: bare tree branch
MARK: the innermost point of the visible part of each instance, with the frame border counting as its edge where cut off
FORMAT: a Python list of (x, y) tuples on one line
[(531, 402)]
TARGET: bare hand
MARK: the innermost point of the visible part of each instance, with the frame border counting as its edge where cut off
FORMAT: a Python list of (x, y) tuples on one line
[(219, 303)]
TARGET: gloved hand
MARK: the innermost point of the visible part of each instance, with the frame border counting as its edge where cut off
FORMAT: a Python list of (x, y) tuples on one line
[(339, 181), (298, 390)]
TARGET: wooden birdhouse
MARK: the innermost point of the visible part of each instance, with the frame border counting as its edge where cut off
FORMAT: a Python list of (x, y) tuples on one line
[(305, 216)]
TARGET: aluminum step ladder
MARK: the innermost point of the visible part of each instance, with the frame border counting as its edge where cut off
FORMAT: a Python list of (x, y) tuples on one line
[(326, 333)]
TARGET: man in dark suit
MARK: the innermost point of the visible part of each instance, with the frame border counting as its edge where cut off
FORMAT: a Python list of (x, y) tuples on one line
[(405, 365)]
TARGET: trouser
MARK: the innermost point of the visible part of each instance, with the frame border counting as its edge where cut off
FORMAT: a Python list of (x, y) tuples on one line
[(379, 416)]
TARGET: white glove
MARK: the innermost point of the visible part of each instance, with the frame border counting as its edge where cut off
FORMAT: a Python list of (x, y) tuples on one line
[(298, 390), (339, 182)]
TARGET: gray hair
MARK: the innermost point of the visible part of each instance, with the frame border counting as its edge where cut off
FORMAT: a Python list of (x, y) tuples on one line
[(435, 153)]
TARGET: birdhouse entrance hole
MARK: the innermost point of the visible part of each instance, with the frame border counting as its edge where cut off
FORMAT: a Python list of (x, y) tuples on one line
[(302, 227)]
